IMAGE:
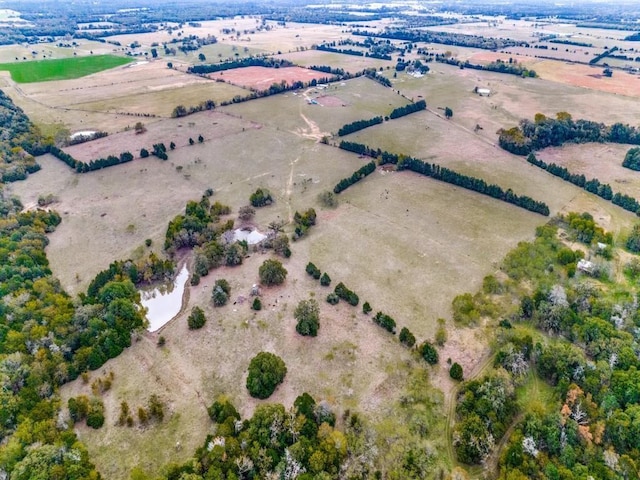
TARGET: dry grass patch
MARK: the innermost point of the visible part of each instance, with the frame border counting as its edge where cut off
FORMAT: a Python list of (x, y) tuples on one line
[(350, 63), (261, 78)]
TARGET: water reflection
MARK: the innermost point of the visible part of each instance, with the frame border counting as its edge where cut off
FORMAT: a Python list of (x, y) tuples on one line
[(164, 302)]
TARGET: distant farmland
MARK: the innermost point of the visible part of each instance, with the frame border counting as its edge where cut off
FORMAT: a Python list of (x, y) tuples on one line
[(61, 69)]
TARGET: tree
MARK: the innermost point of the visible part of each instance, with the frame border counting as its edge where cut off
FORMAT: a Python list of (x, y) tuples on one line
[(154, 52), (191, 141), (172, 146), (325, 280), (201, 57), (169, 64), (281, 245), (455, 372), (261, 197), (307, 313), (266, 372), (144, 153), (221, 291), (139, 128), (200, 139), (196, 319), (328, 199), (333, 299), (179, 111), (448, 113), (429, 353), (272, 273)]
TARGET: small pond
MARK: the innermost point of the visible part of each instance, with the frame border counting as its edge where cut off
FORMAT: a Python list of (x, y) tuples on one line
[(164, 303)]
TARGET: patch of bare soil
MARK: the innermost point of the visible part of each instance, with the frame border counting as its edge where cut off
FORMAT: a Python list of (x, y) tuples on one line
[(330, 101)]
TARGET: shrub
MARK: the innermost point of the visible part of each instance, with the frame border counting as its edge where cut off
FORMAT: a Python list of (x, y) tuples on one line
[(307, 314), (385, 321), (429, 353), (144, 153), (95, 417), (366, 308), (195, 279), (219, 296), (257, 304), (162, 341), (246, 213), (407, 338), (148, 242), (266, 372), (272, 273), (196, 319), (328, 199), (455, 372), (261, 197), (333, 299), (314, 271), (325, 280)]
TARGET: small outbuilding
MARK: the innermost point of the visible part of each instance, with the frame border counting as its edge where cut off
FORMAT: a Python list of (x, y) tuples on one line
[(483, 92)]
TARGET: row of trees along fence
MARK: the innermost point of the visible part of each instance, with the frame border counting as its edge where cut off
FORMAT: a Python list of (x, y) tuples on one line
[(592, 186), (437, 172)]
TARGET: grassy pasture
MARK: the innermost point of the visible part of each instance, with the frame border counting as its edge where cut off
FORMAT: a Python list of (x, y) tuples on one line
[(61, 69), (20, 53), (350, 63), (161, 101)]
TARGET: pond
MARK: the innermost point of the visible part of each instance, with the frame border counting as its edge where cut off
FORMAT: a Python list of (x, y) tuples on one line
[(163, 303)]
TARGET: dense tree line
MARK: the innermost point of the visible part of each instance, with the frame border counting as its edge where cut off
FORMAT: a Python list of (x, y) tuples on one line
[(361, 149), (83, 167), (182, 111), (546, 132), (268, 62), (48, 339), (345, 51), (358, 175), (445, 38), (510, 67), (358, 125), (20, 142), (408, 109), (592, 186), (604, 54)]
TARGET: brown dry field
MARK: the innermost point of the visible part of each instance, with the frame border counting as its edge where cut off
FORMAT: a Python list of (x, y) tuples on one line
[(571, 53), (210, 124), (590, 78), (261, 78)]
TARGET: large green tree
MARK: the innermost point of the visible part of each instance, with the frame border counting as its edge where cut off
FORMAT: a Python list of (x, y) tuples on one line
[(266, 372)]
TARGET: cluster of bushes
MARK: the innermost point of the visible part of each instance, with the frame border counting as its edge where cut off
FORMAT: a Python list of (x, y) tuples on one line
[(261, 197), (268, 62), (359, 125), (347, 295), (408, 109), (315, 272), (593, 186), (358, 175), (545, 132), (303, 222), (220, 293), (81, 408), (511, 67)]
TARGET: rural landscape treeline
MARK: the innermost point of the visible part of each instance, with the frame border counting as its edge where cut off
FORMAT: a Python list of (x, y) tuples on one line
[(342, 310)]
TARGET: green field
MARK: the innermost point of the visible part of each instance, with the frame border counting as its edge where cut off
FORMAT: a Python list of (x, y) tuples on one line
[(61, 69)]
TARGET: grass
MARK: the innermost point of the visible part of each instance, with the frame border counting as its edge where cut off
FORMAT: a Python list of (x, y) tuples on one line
[(534, 394), (61, 69)]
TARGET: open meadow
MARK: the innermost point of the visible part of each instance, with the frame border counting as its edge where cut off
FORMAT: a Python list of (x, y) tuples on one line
[(61, 69)]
